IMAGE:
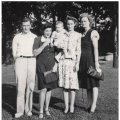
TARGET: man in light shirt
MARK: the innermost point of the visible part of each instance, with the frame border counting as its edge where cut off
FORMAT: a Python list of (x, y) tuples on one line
[(25, 67)]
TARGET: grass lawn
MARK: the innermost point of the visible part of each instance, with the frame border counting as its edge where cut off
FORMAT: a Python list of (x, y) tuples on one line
[(107, 106)]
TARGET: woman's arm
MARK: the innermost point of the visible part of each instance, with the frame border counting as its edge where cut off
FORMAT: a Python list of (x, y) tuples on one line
[(37, 50), (52, 39), (41, 48), (78, 52), (14, 47), (95, 38)]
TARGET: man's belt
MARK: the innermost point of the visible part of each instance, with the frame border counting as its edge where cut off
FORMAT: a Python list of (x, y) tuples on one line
[(27, 56)]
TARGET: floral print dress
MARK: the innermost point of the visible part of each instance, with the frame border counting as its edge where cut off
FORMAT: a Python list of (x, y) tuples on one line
[(68, 78)]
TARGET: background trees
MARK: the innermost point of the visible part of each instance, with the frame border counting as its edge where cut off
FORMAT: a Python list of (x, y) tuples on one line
[(106, 21)]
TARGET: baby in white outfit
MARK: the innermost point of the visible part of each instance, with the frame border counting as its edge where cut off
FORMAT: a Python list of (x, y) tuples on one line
[(59, 39)]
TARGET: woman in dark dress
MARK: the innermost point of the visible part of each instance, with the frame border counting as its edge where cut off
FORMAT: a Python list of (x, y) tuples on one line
[(89, 56), (45, 62)]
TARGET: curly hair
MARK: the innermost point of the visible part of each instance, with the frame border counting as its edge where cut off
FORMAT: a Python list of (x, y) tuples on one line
[(73, 19), (89, 16)]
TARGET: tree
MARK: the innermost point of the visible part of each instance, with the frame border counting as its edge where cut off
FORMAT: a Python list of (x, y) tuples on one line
[(104, 12), (115, 26)]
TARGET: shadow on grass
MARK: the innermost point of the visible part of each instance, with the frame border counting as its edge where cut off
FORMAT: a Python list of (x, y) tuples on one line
[(9, 98), (53, 102)]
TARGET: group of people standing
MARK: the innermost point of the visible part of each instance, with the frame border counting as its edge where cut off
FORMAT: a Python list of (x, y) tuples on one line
[(65, 52)]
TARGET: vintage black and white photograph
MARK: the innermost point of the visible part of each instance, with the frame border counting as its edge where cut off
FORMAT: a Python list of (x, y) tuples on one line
[(60, 60)]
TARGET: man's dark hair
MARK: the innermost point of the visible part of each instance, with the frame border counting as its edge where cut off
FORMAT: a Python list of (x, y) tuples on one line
[(26, 20)]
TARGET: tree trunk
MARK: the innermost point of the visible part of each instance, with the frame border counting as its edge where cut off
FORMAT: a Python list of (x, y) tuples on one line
[(115, 22), (115, 54), (54, 20)]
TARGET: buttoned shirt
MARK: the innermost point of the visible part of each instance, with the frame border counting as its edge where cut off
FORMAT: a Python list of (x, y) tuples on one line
[(23, 44)]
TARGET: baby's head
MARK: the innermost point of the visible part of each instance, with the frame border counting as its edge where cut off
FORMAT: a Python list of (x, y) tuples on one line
[(59, 26)]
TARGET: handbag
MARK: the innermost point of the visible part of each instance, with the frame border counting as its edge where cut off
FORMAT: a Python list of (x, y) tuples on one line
[(92, 72), (51, 77)]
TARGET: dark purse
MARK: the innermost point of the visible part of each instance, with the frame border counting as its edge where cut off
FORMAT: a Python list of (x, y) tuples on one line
[(92, 72), (51, 77)]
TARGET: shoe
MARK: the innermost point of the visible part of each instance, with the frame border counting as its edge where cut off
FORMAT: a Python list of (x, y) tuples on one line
[(29, 113), (47, 112), (88, 109), (91, 113), (18, 115), (92, 110), (65, 111), (72, 110), (41, 115)]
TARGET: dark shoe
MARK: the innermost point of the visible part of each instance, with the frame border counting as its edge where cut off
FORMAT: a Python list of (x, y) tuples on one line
[(91, 113), (88, 109)]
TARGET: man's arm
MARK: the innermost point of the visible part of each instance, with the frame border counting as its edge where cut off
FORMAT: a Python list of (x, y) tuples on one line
[(14, 47)]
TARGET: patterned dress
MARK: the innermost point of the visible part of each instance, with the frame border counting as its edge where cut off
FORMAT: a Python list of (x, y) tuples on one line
[(68, 78)]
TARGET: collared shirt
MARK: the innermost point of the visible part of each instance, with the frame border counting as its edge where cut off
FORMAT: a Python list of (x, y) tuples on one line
[(23, 44)]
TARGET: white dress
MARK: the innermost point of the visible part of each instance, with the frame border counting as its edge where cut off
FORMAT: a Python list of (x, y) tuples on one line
[(68, 78)]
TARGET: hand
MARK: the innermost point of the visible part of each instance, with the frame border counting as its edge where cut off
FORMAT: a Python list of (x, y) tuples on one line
[(17, 56), (60, 46), (54, 69), (51, 45), (46, 73), (97, 65), (47, 42), (35, 52), (76, 68)]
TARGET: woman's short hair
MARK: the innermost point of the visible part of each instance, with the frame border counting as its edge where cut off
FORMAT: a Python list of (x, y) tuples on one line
[(46, 25), (73, 19), (89, 16)]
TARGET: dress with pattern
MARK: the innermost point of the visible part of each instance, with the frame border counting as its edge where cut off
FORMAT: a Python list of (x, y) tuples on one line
[(68, 78)]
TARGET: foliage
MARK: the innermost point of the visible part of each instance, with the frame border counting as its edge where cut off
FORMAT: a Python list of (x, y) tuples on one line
[(40, 12)]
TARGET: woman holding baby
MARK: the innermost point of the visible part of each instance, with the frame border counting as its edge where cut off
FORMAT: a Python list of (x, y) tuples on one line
[(68, 62), (83, 49)]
